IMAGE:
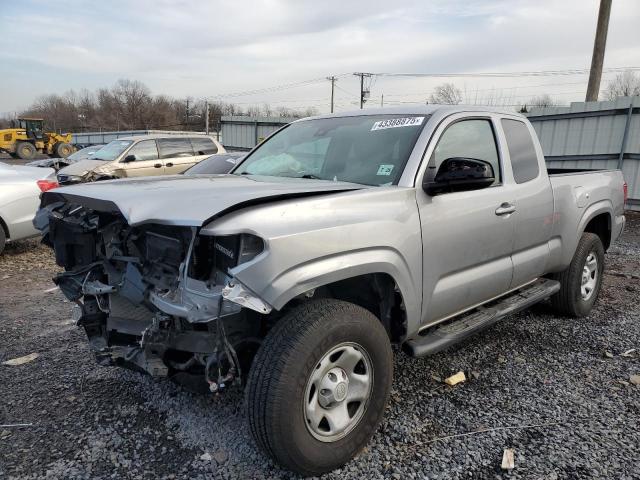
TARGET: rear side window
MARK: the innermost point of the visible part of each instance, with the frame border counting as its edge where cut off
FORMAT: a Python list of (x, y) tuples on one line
[(203, 146), (524, 160), (175, 147)]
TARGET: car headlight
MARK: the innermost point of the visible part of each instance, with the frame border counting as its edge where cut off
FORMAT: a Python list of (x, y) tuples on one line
[(222, 253), (64, 178)]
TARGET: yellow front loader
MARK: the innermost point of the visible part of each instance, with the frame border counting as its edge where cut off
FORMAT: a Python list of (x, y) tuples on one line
[(29, 138)]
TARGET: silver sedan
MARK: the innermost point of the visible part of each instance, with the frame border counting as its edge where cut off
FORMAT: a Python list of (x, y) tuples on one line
[(20, 189)]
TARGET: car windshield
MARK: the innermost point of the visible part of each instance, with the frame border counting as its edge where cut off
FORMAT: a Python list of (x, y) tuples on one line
[(111, 150), (367, 149), (215, 164), (84, 153)]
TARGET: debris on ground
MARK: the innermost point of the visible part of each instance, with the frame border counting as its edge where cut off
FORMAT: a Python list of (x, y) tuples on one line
[(205, 457), (634, 379), (566, 424), (628, 353), (221, 456), (607, 354), (455, 379), (508, 461), (21, 360)]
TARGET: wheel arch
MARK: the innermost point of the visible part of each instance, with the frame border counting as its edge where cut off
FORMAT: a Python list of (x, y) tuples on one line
[(600, 224), (5, 228), (369, 278)]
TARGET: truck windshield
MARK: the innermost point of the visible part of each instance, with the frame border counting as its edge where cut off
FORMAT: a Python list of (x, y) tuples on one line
[(111, 150), (370, 150)]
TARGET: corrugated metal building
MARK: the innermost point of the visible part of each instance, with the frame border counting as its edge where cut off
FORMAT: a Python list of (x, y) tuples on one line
[(594, 135), (244, 133)]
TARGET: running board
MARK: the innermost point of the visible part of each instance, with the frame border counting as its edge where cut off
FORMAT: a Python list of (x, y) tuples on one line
[(440, 337)]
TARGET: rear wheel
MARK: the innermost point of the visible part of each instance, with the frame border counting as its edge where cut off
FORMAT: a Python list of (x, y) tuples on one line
[(318, 386), (25, 150), (62, 150), (580, 283)]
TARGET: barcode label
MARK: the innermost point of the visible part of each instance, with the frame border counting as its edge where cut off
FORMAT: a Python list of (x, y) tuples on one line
[(397, 122)]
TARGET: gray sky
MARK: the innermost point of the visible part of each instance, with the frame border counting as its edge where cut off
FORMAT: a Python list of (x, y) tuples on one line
[(211, 48)]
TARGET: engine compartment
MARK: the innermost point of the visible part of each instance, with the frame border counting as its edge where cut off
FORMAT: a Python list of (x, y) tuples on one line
[(155, 298)]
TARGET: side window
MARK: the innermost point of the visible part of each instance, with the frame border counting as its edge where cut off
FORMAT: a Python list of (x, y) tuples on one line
[(203, 146), (468, 139), (144, 150), (524, 160), (175, 147)]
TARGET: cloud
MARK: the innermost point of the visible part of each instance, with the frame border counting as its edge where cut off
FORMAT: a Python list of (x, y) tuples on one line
[(196, 48)]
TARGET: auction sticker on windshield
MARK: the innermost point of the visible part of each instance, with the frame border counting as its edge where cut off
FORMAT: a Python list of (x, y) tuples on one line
[(397, 122)]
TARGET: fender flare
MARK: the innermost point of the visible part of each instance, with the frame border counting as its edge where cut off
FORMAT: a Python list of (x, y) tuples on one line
[(598, 208), (316, 273)]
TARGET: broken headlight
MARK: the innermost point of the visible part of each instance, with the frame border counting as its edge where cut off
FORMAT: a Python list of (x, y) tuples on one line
[(222, 253)]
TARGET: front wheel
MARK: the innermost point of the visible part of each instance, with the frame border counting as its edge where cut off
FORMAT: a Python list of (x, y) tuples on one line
[(62, 149), (318, 386), (580, 283)]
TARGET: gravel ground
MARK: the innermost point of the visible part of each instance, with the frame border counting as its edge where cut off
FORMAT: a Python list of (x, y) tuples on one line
[(532, 369)]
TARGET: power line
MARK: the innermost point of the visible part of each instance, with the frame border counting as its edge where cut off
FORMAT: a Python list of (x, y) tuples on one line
[(535, 73), (275, 88)]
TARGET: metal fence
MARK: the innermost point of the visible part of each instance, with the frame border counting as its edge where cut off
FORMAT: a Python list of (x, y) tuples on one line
[(95, 138), (593, 135), (244, 133)]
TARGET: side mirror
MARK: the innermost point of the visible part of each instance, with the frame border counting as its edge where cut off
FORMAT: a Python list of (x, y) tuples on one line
[(129, 158), (459, 174)]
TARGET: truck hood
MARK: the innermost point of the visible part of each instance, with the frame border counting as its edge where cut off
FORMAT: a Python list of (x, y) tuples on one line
[(188, 200)]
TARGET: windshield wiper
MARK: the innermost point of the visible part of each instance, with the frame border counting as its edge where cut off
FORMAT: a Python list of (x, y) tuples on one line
[(310, 176)]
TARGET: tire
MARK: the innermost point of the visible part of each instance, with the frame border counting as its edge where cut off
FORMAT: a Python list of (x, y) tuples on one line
[(62, 149), (281, 389), (3, 239), (25, 150), (572, 299)]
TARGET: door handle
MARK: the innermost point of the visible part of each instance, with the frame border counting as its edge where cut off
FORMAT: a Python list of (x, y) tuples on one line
[(505, 209), (158, 165), (169, 164)]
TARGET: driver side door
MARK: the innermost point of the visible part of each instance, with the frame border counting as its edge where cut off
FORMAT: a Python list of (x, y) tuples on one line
[(467, 241)]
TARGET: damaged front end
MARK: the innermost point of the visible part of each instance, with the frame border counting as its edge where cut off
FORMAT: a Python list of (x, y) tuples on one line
[(156, 298)]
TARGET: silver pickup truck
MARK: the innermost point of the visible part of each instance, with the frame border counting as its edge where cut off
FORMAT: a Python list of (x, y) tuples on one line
[(336, 238)]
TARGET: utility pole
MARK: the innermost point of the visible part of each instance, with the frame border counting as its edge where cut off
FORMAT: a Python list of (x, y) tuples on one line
[(206, 117), (333, 85), (364, 94), (382, 100), (186, 114), (595, 75)]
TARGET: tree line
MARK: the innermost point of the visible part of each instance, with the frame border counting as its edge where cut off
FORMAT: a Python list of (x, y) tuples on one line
[(130, 105)]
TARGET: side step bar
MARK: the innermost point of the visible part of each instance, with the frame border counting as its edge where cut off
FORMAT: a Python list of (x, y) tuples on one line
[(441, 337)]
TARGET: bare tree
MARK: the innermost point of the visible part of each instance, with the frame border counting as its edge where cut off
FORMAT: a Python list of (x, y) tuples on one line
[(129, 105), (447, 94), (626, 84), (543, 100)]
